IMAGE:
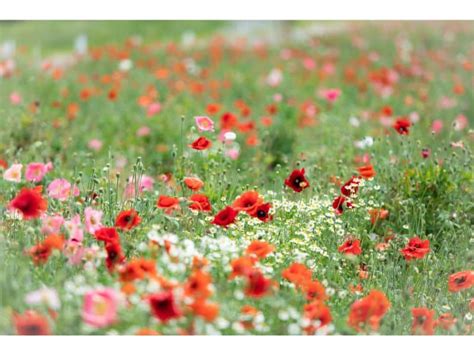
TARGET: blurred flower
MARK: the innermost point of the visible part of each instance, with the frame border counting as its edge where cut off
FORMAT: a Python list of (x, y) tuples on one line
[(100, 308), (95, 144), (93, 219), (13, 173), (61, 189), (52, 224), (45, 296), (204, 123), (36, 171)]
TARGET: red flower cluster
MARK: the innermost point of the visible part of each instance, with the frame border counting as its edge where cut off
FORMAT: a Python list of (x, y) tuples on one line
[(30, 202), (416, 249), (111, 238), (367, 312)]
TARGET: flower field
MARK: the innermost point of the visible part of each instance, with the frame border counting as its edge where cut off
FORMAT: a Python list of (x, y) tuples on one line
[(236, 178)]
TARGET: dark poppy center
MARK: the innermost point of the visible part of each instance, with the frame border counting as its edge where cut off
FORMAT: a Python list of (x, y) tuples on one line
[(261, 214), (460, 280)]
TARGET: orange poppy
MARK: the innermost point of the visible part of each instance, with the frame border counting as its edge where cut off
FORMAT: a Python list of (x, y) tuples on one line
[(31, 323), (460, 281), (423, 321), (298, 274), (368, 311), (193, 183), (446, 321), (260, 249), (377, 214), (198, 285), (367, 171), (208, 311)]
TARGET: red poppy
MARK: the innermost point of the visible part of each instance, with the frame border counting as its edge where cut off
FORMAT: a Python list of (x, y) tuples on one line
[(262, 212), (3, 164), (339, 202), (228, 121), (213, 108), (460, 281), (202, 143), (402, 126), (41, 252), (127, 220), (423, 321), (351, 246), (416, 249), (368, 311), (163, 306), (31, 323), (114, 255), (315, 291), (297, 181), (248, 202), (225, 217), (350, 187), (258, 285), (107, 235), (242, 266), (317, 311), (200, 203), (30, 202), (167, 203)]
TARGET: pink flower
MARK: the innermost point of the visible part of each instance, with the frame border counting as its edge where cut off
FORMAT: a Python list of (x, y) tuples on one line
[(75, 252), (15, 98), (143, 131), (61, 189), (226, 136), (204, 124), (460, 122), (329, 68), (13, 173), (52, 224), (437, 126), (36, 171), (309, 63), (145, 184), (93, 219), (95, 144), (100, 308), (73, 226), (232, 153), (330, 95), (153, 109), (447, 102), (274, 78)]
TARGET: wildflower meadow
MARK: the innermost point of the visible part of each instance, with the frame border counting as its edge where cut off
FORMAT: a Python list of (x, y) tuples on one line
[(236, 178)]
